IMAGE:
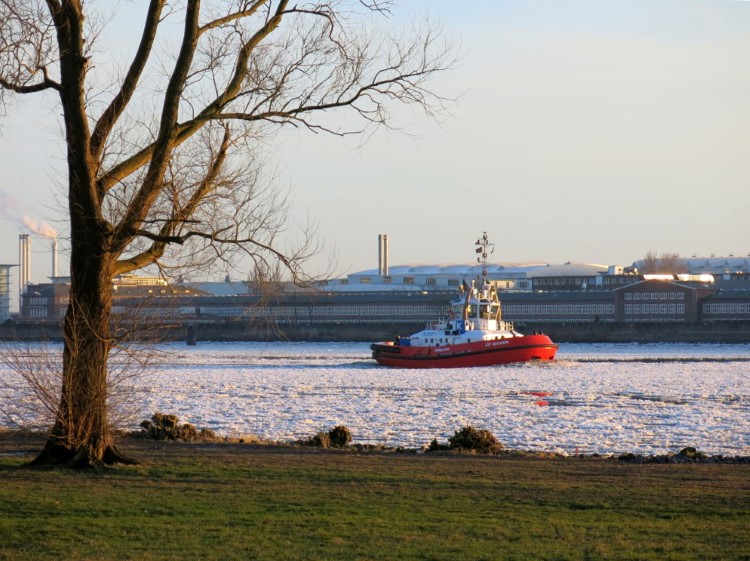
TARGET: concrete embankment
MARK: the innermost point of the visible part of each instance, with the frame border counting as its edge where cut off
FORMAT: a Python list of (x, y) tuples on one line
[(715, 332)]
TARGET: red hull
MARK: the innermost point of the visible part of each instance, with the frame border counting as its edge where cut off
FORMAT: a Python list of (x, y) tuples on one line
[(480, 353)]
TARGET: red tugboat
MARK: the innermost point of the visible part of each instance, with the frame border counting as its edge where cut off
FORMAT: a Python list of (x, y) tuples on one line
[(474, 334)]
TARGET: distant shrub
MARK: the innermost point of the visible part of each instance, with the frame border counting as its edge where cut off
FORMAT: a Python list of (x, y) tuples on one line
[(321, 440), (340, 436), (690, 454), (168, 427), (435, 446), (206, 434), (629, 457), (481, 441)]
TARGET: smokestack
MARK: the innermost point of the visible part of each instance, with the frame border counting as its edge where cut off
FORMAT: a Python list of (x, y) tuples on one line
[(380, 255), (27, 273), (383, 255), (24, 261), (54, 259)]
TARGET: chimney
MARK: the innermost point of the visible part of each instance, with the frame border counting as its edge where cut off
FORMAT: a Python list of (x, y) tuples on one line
[(24, 261), (24, 267), (383, 255), (380, 255), (54, 259)]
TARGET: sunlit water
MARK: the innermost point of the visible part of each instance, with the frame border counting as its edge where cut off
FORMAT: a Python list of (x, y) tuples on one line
[(603, 398)]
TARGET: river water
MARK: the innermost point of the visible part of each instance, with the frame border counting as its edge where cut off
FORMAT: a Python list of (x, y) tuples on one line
[(594, 398)]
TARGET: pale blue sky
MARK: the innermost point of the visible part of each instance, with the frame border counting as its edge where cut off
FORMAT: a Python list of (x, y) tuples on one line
[(587, 130)]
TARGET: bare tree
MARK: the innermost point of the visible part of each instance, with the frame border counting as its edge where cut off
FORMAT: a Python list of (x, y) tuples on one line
[(30, 392), (141, 183), (666, 263)]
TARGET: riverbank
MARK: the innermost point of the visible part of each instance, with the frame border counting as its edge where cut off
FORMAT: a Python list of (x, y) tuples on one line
[(364, 331), (240, 501)]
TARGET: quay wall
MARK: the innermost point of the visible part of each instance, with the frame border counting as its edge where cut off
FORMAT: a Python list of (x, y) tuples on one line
[(593, 332), (363, 331)]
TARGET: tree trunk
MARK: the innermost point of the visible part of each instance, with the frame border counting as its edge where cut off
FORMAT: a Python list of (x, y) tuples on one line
[(82, 436)]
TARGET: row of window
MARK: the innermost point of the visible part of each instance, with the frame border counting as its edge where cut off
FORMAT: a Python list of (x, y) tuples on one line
[(389, 280), (654, 296), (654, 319), (375, 310), (305, 311), (509, 310), (727, 308), (287, 311), (37, 311), (516, 310), (564, 281), (655, 309), (430, 281), (368, 311), (620, 281)]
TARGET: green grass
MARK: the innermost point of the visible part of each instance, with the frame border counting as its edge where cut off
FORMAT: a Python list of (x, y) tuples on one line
[(229, 502)]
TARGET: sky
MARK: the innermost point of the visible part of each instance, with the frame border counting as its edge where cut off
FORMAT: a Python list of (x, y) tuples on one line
[(583, 130)]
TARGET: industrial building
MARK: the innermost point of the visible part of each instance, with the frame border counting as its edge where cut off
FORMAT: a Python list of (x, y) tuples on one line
[(5, 295), (531, 294), (649, 300)]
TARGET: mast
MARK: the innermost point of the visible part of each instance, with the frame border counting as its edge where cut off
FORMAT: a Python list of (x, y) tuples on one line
[(486, 248), (483, 245)]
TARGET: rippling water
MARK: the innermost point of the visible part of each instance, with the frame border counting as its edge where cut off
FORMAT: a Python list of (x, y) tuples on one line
[(601, 398)]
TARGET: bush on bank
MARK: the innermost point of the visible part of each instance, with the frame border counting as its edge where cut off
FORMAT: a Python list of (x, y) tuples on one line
[(469, 439), (164, 426), (338, 437)]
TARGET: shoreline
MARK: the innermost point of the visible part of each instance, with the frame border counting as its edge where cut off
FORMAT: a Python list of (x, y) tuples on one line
[(728, 332), (20, 443)]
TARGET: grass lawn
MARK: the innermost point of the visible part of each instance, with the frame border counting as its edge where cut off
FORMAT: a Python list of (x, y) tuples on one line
[(226, 502)]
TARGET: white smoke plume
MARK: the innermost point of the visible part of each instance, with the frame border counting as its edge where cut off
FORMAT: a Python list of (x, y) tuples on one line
[(37, 227), (8, 207), (10, 211)]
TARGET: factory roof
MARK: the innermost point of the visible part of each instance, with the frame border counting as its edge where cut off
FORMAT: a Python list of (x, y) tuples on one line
[(526, 270), (454, 269), (570, 270), (715, 265)]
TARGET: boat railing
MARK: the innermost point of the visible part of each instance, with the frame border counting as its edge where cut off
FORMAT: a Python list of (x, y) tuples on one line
[(435, 325)]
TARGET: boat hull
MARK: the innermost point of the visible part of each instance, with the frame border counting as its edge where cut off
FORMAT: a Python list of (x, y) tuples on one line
[(479, 353)]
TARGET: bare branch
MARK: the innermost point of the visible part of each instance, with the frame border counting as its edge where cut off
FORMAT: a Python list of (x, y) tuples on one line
[(313, 72), (123, 97), (181, 215), (27, 50), (148, 192), (234, 16)]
